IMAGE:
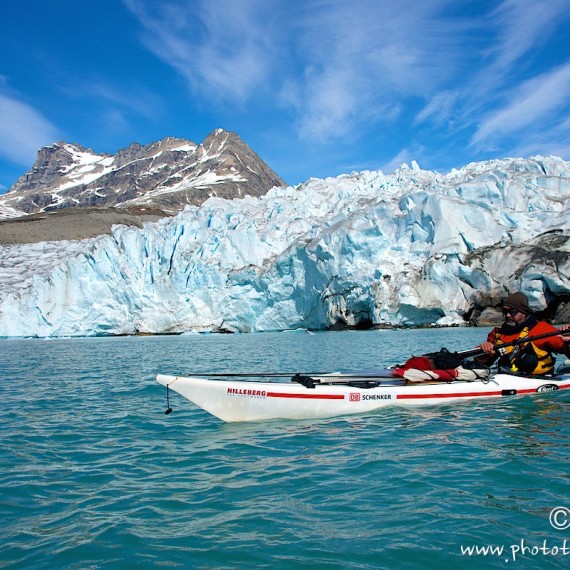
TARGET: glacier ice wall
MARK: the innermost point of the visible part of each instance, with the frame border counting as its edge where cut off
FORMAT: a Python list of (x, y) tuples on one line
[(411, 248)]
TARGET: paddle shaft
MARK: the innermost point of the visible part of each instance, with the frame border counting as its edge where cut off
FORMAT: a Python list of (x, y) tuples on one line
[(333, 378), (478, 351), (257, 374), (464, 354)]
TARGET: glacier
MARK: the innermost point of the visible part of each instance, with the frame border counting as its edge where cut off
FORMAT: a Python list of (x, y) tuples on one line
[(411, 248)]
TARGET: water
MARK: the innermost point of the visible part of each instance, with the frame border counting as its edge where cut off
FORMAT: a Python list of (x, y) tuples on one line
[(93, 474)]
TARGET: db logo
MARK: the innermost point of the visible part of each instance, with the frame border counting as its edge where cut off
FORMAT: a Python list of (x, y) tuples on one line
[(355, 397)]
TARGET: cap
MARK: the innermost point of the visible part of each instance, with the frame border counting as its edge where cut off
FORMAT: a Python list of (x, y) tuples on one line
[(517, 301)]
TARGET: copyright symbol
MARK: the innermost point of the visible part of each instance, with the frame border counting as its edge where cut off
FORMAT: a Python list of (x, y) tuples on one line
[(560, 518)]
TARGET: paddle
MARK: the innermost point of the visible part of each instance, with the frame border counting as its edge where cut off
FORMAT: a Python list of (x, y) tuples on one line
[(478, 351), (254, 374), (365, 375), (444, 359)]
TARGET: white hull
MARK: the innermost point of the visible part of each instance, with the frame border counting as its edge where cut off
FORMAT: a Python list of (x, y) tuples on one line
[(235, 401)]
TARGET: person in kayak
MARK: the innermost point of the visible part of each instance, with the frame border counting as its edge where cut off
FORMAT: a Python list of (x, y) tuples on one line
[(535, 357)]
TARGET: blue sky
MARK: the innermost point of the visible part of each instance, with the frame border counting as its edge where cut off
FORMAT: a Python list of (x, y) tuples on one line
[(317, 88)]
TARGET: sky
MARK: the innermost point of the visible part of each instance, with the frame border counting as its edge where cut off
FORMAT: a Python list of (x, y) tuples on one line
[(316, 88)]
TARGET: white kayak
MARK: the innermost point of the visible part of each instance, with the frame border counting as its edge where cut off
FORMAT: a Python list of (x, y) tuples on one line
[(342, 394)]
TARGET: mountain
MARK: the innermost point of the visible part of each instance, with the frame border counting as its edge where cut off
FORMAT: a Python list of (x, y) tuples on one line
[(165, 175), (412, 248)]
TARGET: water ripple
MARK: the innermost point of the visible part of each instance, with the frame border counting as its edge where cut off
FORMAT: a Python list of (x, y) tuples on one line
[(94, 475)]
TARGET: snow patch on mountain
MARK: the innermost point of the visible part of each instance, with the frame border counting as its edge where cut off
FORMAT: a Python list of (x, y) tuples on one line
[(6, 212), (85, 167)]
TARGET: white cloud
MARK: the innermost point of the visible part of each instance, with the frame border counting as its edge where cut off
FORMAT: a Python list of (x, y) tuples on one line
[(23, 131), (338, 65), (533, 101), (553, 141), (343, 67), (139, 99), (403, 157), (221, 48), (492, 94), (328, 106), (522, 25), (362, 59), (439, 109), (559, 149)]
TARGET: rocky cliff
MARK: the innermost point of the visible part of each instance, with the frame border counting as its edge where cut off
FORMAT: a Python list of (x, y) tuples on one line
[(165, 175)]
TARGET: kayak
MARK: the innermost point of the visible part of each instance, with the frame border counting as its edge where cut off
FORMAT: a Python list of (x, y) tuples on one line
[(338, 394)]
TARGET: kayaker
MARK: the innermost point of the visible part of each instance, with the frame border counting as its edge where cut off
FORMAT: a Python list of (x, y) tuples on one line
[(525, 359)]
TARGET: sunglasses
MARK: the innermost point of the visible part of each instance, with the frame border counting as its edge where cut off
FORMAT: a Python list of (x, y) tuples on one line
[(510, 312)]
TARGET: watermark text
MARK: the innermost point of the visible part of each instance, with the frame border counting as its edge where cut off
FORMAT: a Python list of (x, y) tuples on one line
[(518, 550)]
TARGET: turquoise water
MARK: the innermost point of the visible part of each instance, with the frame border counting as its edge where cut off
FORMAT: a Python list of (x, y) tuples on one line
[(95, 475)]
